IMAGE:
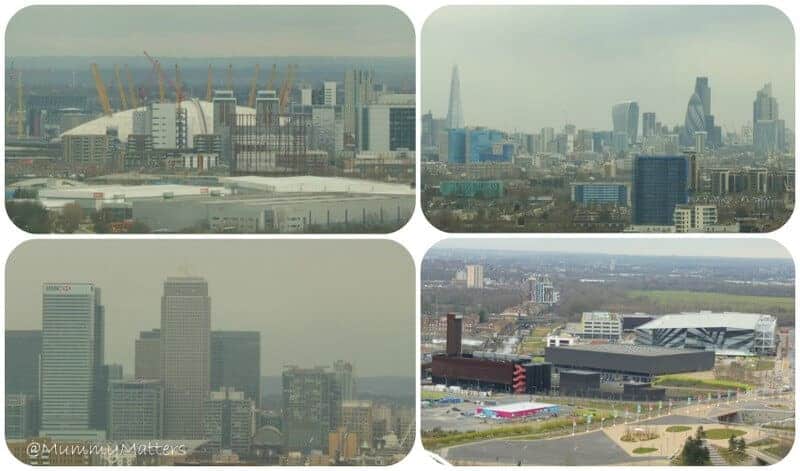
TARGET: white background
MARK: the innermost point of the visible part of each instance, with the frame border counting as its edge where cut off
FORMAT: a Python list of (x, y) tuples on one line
[(417, 236)]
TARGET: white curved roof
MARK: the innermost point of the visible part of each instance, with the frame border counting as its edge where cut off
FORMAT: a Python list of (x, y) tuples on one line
[(196, 111)]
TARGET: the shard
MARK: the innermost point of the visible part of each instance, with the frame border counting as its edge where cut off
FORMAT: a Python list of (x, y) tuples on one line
[(455, 115)]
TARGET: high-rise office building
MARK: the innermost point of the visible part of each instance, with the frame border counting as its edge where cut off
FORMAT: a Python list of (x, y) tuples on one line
[(136, 409), (765, 121), (358, 92), (329, 93), (357, 418), (695, 120), (72, 359), (20, 416), (23, 352), (236, 363), (312, 406), (107, 373), (224, 120), (703, 91), (22, 359), (147, 361), (625, 118), (185, 332), (389, 124), (229, 421), (649, 124), (343, 371), (659, 184), (455, 114), (474, 276)]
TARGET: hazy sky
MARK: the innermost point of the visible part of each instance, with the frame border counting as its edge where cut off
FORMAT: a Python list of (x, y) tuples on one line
[(525, 68), (694, 247), (313, 301), (194, 31)]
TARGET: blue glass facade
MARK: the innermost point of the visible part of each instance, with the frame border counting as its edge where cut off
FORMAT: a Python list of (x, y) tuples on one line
[(659, 184), (600, 193), (478, 146), (457, 146)]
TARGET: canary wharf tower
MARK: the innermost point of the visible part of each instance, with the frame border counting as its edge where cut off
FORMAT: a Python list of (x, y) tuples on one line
[(185, 345)]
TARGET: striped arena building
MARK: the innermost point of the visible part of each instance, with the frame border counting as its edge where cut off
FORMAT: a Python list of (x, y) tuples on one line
[(726, 333)]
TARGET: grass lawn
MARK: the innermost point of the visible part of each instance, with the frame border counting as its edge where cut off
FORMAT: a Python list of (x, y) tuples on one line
[(716, 301), (678, 428), (432, 395), (643, 449), (723, 433), (685, 381)]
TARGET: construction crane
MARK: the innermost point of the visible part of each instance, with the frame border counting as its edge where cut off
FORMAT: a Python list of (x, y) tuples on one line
[(134, 98), (178, 86), (229, 79), (101, 90), (251, 99), (160, 76), (123, 100), (272, 74), (286, 88), (209, 85)]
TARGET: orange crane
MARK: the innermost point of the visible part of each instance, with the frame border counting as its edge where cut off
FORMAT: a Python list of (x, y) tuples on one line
[(160, 75), (209, 85), (251, 99), (134, 98), (286, 88), (123, 100), (101, 90)]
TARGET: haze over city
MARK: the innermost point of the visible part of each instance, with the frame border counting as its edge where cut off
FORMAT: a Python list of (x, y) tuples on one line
[(208, 31), (312, 302), (523, 68)]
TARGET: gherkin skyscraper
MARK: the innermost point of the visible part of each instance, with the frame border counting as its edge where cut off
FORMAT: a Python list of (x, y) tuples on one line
[(695, 118), (455, 115)]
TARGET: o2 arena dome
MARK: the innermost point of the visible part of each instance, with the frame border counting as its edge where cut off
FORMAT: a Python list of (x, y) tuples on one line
[(199, 119)]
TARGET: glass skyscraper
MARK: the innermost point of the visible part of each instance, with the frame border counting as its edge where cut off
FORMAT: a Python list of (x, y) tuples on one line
[(659, 184), (236, 362), (72, 358)]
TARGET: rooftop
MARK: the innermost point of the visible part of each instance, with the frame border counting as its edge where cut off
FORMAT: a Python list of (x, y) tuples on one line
[(707, 320), (313, 184), (519, 406), (627, 349)]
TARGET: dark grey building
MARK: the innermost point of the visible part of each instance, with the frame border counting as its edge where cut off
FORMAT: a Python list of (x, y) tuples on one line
[(629, 362), (23, 354), (229, 421), (136, 410), (312, 405), (148, 355), (236, 362)]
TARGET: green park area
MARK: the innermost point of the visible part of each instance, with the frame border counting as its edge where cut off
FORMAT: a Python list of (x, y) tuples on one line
[(686, 381), (688, 300)]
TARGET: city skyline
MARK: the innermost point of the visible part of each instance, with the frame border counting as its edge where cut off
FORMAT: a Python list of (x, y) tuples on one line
[(695, 247), (654, 63), (288, 334), (243, 31)]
